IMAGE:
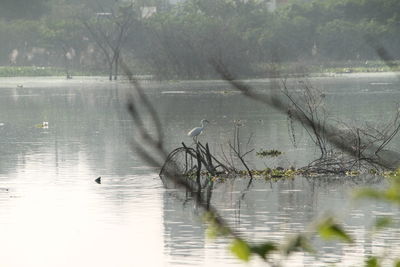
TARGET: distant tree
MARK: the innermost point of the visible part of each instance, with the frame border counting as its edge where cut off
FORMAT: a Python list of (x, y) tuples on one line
[(340, 29), (109, 29), (63, 33), (63, 36), (182, 42), (21, 36), (23, 9)]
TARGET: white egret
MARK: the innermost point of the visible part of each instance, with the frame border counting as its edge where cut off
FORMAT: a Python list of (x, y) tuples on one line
[(197, 130)]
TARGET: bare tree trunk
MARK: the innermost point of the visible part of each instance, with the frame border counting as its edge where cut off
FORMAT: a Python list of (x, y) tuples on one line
[(66, 63), (110, 70), (116, 65)]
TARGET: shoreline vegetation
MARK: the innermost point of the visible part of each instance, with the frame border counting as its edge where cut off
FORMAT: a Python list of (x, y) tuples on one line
[(182, 41), (264, 70), (33, 71)]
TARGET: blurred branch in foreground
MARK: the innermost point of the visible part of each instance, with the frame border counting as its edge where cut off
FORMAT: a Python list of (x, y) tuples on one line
[(150, 148), (152, 151), (375, 154)]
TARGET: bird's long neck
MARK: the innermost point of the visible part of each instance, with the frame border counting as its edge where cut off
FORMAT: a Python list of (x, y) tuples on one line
[(203, 124)]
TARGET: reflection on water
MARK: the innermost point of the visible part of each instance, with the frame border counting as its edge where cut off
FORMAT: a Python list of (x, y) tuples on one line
[(52, 213), (274, 211)]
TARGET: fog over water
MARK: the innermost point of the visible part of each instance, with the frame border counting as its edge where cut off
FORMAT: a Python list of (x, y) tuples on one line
[(65, 127), (54, 214)]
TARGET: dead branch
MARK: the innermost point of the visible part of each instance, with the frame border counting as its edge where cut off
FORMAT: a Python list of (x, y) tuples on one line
[(384, 158), (171, 172)]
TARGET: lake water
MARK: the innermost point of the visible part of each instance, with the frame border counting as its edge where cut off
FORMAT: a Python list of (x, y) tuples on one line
[(52, 213)]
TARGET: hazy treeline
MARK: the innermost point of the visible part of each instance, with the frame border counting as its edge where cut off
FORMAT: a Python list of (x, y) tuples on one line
[(180, 40)]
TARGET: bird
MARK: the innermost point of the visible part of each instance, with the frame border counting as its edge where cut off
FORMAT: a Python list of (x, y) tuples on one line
[(98, 180), (197, 130)]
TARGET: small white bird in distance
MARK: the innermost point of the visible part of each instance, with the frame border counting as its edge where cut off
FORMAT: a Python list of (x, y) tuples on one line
[(198, 130)]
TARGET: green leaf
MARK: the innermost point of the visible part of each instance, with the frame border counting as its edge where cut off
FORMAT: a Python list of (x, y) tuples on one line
[(372, 262), (397, 263), (382, 222), (392, 194), (329, 229), (240, 249), (214, 229), (298, 243), (368, 193), (263, 250), (211, 232)]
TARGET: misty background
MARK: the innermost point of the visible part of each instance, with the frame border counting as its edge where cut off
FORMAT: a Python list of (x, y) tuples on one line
[(177, 39)]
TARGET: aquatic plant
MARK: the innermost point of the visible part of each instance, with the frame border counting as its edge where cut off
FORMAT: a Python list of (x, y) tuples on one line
[(269, 153)]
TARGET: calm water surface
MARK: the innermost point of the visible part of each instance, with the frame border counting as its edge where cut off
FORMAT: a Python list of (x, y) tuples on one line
[(52, 213)]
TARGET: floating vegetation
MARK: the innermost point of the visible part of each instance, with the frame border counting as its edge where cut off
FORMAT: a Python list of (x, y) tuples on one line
[(269, 153), (392, 174), (201, 167), (43, 125), (278, 172), (353, 173)]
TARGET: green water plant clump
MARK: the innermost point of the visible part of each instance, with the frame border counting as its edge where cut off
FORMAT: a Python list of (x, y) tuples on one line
[(275, 173), (269, 173), (268, 153)]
